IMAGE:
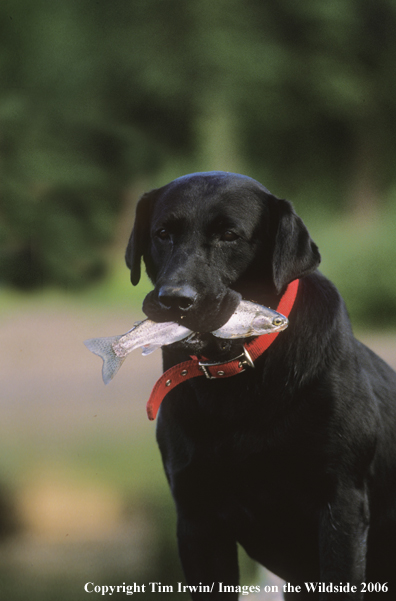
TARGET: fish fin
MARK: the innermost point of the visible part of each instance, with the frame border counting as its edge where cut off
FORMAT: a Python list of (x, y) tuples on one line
[(149, 348), (103, 347)]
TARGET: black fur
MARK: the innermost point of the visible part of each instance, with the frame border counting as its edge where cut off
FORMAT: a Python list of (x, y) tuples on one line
[(296, 458)]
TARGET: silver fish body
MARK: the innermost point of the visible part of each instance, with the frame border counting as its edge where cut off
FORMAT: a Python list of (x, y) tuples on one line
[(147, 334), (249, 319), (150, 335)]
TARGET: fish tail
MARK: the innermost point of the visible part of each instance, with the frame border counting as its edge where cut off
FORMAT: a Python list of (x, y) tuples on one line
[(103, 347)]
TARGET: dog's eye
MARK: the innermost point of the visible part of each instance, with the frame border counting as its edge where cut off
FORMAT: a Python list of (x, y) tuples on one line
[(163, 234), (229, 236)]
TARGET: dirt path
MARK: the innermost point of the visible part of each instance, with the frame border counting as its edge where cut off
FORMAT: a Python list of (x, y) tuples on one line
[(51, 383)]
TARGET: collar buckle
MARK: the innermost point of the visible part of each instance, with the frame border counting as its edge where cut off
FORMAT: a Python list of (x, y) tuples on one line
[(244, 360)]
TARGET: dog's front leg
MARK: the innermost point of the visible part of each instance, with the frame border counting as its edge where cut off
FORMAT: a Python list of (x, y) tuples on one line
[(343, 530), (209, 559)]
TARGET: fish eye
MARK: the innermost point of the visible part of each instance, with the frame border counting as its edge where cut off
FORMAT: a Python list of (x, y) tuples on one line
[(229, 236), (163, 234), (277, 321)]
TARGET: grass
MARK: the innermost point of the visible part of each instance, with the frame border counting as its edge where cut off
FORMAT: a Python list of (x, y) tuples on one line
[(359, 256), (116, 291)]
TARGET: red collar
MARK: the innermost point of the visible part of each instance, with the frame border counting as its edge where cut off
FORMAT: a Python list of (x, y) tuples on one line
[(191, 369)]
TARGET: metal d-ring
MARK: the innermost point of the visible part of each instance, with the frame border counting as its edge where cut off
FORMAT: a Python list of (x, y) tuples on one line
[(244, 360)]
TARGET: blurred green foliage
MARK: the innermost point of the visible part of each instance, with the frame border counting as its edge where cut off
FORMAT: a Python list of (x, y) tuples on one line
[(97, 97), (360, 257)]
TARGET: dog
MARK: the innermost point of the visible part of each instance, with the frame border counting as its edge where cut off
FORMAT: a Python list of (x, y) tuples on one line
[(294, 458)]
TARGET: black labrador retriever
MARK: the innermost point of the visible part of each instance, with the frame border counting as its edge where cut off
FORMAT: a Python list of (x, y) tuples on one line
[(295, 457)]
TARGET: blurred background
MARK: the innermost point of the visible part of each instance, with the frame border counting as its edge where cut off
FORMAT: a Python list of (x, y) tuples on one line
[(99, 102)]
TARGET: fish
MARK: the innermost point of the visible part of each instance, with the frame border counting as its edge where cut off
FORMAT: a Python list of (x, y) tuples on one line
[(146, 334), (249, 319)]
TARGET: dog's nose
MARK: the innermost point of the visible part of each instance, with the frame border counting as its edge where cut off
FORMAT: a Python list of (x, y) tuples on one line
[(177, 297)]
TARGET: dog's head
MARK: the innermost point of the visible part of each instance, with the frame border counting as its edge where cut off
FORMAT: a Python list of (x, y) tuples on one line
[(209, 238)]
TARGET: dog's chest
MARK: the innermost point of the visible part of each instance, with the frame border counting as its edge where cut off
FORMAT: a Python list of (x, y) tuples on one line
[(243, 471)]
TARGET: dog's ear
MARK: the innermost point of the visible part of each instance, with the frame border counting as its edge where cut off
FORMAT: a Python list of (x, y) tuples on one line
[(295, 253), (140, 236)]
